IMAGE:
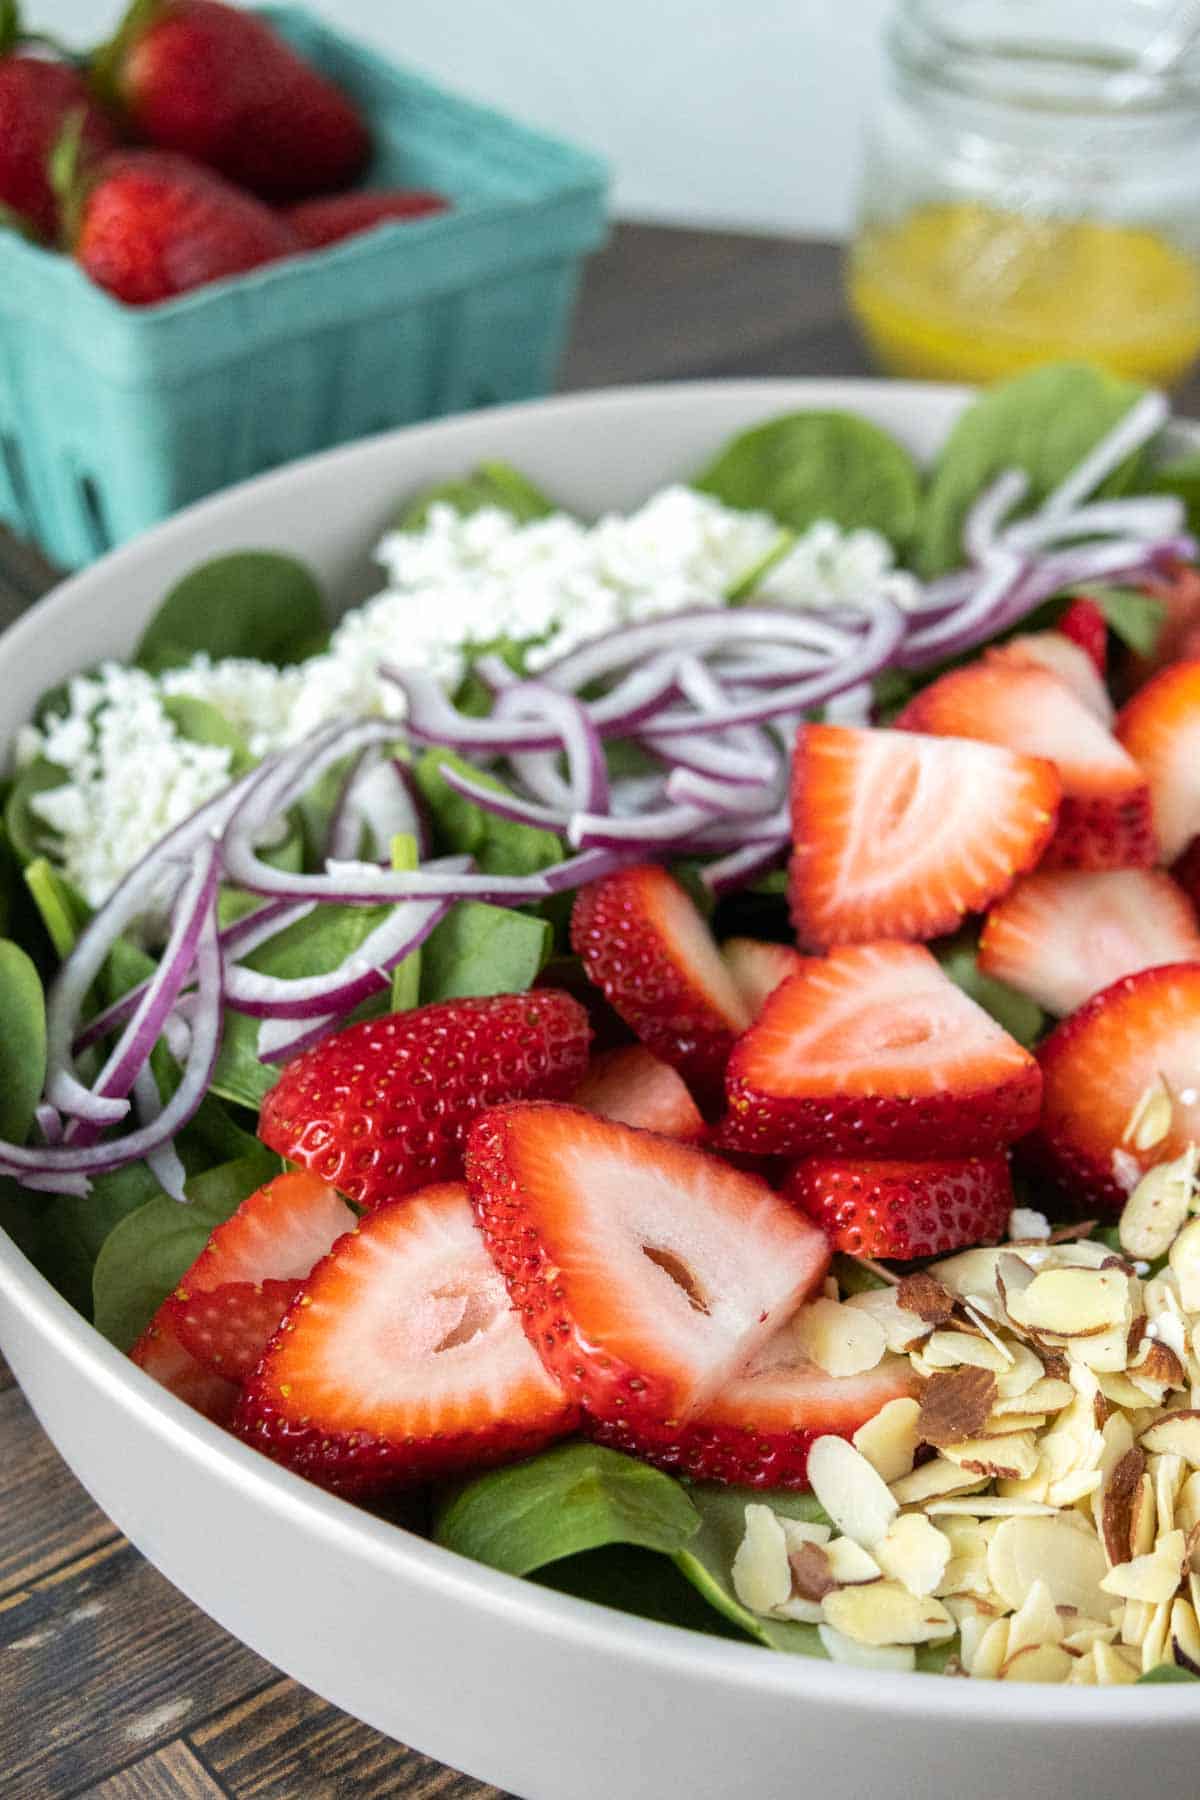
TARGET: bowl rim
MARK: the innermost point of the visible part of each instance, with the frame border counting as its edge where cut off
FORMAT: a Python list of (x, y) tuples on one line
[(391, 1549)]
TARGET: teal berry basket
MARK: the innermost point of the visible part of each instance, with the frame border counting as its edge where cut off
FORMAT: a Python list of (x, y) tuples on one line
[(112, 417)]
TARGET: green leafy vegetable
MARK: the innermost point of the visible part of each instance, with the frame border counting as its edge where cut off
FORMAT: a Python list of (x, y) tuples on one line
[(1044, 422), (200, 722), (482, 949), (819, 465), (27, 834), (491, 484), (571, 1498), (1165, 1673), (853, 1277), (1181, 478), (254, 603), (498, 846), (62, 910), (22, 1042), (641, 1582), (406, 976), (1137, 619), (145, 1255), (707, 1560), (1021, 1017)]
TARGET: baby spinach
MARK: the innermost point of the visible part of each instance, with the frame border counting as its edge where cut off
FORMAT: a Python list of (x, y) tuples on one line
[(491, 484), (62, 909), (482, 949), (27, 833), (637, 1581), (819, 465), (707, 1560), (22, 1042), (145, 1255), (1181, 478), (200, 722), (18, 1217), (1165, 1674), (1021, 1017), (499, 846), (1137, 619), (571, 1498), (253, 603), (1044, 422)]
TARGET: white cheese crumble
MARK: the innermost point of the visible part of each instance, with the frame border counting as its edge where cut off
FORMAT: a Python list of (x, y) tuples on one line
[(462, 581)]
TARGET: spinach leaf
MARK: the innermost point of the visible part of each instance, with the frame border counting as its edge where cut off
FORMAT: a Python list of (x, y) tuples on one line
[(314, 945), (406, 976), (145, 1255), (1045, 422), (853, 1277), (27, 833), (253, 603), (1137, 619), (636, 1581), (819, 465), (63, 911), (571, 1498), (745, 586), (707, 1560), (491, 484), (1164, 1674), (22, 1042), (19, 1217), (1021, 1017), (482, 949), (498, 846), (200, 722), (1181, 478)]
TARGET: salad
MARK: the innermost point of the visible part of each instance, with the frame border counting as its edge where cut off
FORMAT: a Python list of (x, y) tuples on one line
[(664, 1053)]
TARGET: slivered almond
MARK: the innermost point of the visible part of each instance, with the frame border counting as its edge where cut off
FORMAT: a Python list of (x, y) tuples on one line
[(1152, 1579), (991, 1652), (889, 1440), (1011, 1458), (924, 1295), (1156, 1645), (1185, 1636), (932, 1480), (850, 1564), (1150, 1121), (1178, 1434), (886, 1613), (955, 1405), (1071, 1303), (1184, 1260), (955, 1349), (1022, 1374), (914, 1553), (1116, 1523), (812, 1576), (851, 1492), (762, 1574), (839, 1339), (1070, 1562), (989, 1506), (1036, 1620), (1112, 1669), (1045, 1396), (841, 1649), (1157, 1208), (1040, 1662)]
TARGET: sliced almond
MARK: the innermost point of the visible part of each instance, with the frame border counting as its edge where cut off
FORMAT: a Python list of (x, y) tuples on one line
[(925, 1295), (955, 1405), (1010, 1458), (1070, 1562), (1045, 1396), (1112, 1669), (1118, 1390), (1184, 1260), (914, 1553), (1167, 1471), (1022, 1374), (969, 1272), (1069, 1490), (1152, 1579), (850, 1565), (1116, 1525), (1176, 1435), (1036, 1620), (1001, 1424), (889, 1440), (1104, 1351), (762, 1574), (886, 1613), (991, 1652), (1150, 1121), (850, 1491), (951, 1349), (989, 1506), (1185, 1636), (798, 1532), (1071, 1303), (812, 1576), (1156, 1645), (842, 1649), (1086, 1632), (1083, 1672), (1040, 1662), (1157, 1363), (1187, 1503), (932, 1480), (842, 1340), (1144, 1523), (902, 1331), (1157, 1208)]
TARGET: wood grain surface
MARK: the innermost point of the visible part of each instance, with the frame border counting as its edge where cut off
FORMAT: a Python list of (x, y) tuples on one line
[(113, 1685)]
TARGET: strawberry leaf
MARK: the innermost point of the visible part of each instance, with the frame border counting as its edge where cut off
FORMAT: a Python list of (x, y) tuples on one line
[(573, 1498)]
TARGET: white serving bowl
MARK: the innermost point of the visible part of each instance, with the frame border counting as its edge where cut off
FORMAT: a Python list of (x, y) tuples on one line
[(549, 1697)]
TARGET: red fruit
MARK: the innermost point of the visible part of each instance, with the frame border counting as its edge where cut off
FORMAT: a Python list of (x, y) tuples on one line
[(644, 944), (904, 1209), (1097, 1067), (872, 1049), (152, 226), (1065, 658), (634, 1088), (36, 99), (1160, 728), (1084, 623), (384, 1107), (900, 836), (327, 221), (1061, 935), (645, 1272), (221, 86), (228, 1328), (247, 1273), (1177, 588), (1187, 872), (1104, 821), (403, 1362), (758, 968), (757, 1432)]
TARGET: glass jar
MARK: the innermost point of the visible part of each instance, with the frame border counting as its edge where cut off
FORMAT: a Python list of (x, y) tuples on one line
[(1032, 190)]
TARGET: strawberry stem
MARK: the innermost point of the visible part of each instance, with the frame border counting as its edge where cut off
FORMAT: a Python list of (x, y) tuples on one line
[(67, 175), (10, 25), (106, 66)]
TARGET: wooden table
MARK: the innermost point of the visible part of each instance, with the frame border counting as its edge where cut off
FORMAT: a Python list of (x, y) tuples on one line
[(113, 1685)]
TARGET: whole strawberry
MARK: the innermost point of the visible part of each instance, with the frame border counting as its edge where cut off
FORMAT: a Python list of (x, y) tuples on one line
[(220, 85), (150, 226), (36, 99), (337, 216), (384, 1106)]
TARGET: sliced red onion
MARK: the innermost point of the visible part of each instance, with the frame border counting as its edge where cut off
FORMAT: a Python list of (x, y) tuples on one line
[(587, 772), (1149, 517), (635, 700), (1144, 420), (381, 797), (506, 806), (723, 798), (281, 1039), (177, 1036), (711, 756), (164, 1162), (958, 629), (741, 867), (77, 1187), (589, 865), (432, 719), (984, 518), (49, 1122), (665, 830), (697, 631), (344, 836), (851, 708)]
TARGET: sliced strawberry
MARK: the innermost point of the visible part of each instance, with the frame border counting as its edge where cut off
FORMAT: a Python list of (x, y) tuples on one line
[(904, 1209), (635, 1088), (757, 1432), (227, 1328), (1186, 872), (1160, 728), (159, 1352), (645, 945), (1084, 623), (900, 836), (873, 1049), (1100, 1063), (383, 1107), (1063, 934), (403, 1361), (758, 968), (1055, 651), (1104, 821), (268, 1246), (645, 1272)]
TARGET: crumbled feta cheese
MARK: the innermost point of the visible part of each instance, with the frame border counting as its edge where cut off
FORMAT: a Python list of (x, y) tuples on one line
[(1024, 1222)]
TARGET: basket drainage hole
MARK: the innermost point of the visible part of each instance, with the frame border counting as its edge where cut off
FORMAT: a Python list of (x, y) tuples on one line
[(94, 517), (14, 467)]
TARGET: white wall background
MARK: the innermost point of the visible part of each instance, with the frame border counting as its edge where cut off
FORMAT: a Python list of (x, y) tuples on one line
[(727, 112)]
